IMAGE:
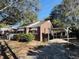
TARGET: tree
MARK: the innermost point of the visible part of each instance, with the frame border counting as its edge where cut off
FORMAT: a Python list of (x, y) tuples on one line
[(16, 9), (32, 16), (67, 12), (72, 11), (58, 12), (2, 25), (56, 16), (57, 23)]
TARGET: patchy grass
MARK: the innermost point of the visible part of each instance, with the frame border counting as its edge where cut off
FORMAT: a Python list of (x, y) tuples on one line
[(22, 48), (39, 47)]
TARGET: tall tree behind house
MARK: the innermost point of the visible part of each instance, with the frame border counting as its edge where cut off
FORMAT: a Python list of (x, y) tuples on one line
[(67, 12)]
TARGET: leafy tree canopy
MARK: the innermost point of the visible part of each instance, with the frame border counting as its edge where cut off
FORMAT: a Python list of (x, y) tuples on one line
[(18, 10), (67, 12)]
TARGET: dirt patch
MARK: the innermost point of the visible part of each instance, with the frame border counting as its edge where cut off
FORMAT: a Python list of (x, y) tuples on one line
[(22, 48)]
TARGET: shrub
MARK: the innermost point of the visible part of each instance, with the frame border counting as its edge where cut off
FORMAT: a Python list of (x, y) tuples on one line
[(17, 37), (75, 31), (30, 36), (25, 37)]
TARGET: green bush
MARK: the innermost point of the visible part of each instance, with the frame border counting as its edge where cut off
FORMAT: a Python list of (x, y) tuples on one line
[(17, 37), (28, 37)]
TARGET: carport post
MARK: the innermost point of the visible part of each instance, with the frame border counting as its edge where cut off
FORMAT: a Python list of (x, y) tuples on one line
[(9, 37), (48, 37), (48, 34), (41, 36), (68, 34)]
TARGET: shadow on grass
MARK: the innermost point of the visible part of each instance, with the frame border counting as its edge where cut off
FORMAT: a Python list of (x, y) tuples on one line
[(12, 53), (2, 50), (52, 51)]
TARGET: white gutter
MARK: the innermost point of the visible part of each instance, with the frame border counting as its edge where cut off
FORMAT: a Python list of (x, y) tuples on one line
[(33, 24)]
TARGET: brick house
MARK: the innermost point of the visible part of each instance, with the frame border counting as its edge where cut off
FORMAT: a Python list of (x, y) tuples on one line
[(40, 29)]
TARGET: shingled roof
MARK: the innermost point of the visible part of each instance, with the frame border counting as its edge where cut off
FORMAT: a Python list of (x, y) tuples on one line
[(36, 24)]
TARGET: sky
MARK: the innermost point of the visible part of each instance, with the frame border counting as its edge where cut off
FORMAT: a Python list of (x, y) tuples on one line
[(46, 7)]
